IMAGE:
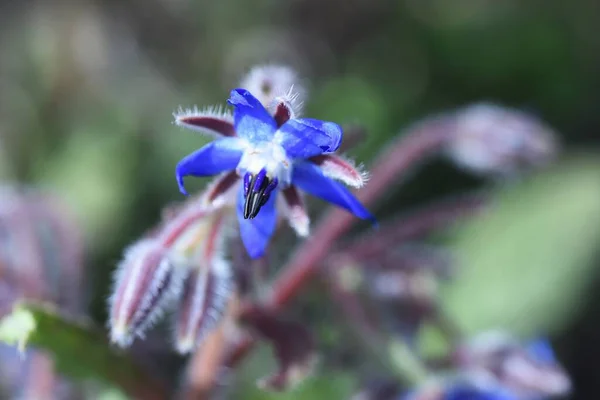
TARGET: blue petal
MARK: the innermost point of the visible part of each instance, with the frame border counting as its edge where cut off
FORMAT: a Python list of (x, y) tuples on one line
[(252, 121), (473, 393), (541, 350), (214, 158), (308, 177), (257, 232), (304, 138)]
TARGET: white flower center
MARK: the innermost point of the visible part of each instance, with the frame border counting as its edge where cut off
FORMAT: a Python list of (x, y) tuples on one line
[(268, 156)]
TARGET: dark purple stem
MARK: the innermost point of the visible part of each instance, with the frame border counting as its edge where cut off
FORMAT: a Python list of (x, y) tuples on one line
[(415, 224)]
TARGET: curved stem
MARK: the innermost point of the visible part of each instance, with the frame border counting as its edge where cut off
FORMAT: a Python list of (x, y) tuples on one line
[(395, 353), (409, 226), (419, 142)]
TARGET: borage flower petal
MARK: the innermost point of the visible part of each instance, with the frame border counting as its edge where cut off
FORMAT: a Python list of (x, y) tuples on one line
[(274, 151), (308, 177), (214, 158), (305, 137), (256, 232), (252, 121), (541, 351), (476, 393)]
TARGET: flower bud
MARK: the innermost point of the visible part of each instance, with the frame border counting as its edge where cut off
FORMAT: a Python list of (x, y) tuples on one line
[(205, 296), (489, 139), (146, 283), (529, 370), (208, 287), (278, 88)]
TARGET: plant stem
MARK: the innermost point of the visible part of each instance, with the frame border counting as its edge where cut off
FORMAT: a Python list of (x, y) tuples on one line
[(419, 142), (409, 226), (396, 353)]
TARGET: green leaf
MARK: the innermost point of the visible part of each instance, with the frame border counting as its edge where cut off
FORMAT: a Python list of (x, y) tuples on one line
[(348, 100), (431, 342), (94, 172), (324, 383), (111, 394), (525, 265), (325, 386), (79, 351)]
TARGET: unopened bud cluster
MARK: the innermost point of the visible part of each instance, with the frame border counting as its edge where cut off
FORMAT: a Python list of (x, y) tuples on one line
[(180, 266)]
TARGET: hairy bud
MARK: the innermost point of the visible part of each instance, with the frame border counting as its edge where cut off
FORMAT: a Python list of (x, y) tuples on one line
[(205, 296), (489, 139), (146, 283), (278, 88), (207, 289), (529, 370)]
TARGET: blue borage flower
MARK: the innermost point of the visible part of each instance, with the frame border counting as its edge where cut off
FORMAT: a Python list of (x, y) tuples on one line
[(458, 389), (470, 392), (272, 153), (497, 359)]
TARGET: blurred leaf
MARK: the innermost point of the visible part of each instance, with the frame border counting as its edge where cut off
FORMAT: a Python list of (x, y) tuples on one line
[(79, 351), (94, 171), (350, 99), (431, 342), (324, 384), (525, 265), (111, 394), (406, 363)]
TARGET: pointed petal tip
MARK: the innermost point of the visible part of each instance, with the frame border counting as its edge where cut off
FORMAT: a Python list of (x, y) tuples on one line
[(364, 214), (185, 345), (120, 335), (238, 97), (310, 178), (256, 233), (181, 184), (372, 219), (302, 228), (255, 253)]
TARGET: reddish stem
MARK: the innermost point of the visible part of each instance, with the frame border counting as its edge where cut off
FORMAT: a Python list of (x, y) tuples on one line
[(427, 138), (350, 304), (204, 369), (415, 224), (419, 142)]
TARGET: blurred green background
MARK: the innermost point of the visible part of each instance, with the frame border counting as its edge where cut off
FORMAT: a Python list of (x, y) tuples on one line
[(87, 89)]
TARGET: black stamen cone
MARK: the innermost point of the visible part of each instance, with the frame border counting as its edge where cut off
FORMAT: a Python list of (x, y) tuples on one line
[(256, 198)]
